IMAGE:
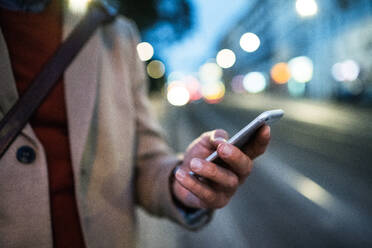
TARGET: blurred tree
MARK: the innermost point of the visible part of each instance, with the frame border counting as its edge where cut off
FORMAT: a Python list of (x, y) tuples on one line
[(174, 16), (346, 4)]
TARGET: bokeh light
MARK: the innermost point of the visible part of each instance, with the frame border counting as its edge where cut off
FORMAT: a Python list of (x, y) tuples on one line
[(145, 51), (226, 58), (306, 8), (237, 84), (210, 72), (296, 89), (280, 73), (177, 94), (213, 92), (156, 69), (249, 42), (78, 6), (301, 69), (194, 87), (337, 72), (254, 82), (346, 71), (351, 70)]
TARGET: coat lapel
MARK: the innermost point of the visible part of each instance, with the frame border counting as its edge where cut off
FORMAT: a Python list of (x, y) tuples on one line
[(8, 92), (80, 90), (8, 89)]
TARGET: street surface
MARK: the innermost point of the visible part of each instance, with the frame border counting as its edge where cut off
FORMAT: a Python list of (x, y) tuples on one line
[(312, 188)]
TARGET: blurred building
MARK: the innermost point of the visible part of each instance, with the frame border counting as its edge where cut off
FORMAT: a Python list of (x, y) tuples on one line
[(337, 38)]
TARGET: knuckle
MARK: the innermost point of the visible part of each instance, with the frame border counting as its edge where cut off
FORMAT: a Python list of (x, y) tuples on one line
[(248, 168), (210, 197), (242, 164), (265, 142), (237, 155), (233, 182), (260, 150), (222, 203), (212, 170), (192, 184)]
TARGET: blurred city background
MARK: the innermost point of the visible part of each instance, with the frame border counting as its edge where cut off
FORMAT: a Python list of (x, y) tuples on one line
[(217, 64)]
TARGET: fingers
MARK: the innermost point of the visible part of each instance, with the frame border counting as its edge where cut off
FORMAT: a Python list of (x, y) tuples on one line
[(223, 177), (238, 162), (186, 197), (259, 143), (255, 148), (218, 136), (213, 138), (205, 196), (225, 181)]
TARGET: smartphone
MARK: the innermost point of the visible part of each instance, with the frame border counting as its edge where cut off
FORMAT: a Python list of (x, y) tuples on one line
[(242, 137)]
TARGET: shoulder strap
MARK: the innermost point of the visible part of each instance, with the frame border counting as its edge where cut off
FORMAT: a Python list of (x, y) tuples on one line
[(17, 117)]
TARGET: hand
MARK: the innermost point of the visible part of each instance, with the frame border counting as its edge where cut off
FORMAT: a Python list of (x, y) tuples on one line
[(221, 183)]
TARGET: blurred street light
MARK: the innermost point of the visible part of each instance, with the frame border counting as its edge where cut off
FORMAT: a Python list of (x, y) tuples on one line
[(213, 92), (78, 6), (249, 42), (156, 69), (280, 73), (296, 89), (306, 8), (177, 94), (254, 82), (346, 71), (237, 84), (337, 72), (226, 58), (210, 72), (301, 69), (145, 51), (193, 86)]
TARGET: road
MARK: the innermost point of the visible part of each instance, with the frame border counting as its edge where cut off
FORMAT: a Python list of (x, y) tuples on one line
[(312, 188)]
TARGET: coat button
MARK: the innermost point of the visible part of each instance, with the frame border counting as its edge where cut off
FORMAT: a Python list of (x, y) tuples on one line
[(26, 155)]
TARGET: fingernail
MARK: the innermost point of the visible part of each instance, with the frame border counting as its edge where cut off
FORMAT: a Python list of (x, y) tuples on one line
[(220, 139), (180, 174), (226, 150), (196, 165)]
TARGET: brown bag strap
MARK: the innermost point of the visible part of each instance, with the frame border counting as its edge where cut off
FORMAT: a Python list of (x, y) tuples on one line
[(17, 117)]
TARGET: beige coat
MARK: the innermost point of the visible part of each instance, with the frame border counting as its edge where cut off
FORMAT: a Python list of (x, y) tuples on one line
[(118, 156)]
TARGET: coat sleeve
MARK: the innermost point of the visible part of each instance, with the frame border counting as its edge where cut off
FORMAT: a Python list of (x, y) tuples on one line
[(154, 160)]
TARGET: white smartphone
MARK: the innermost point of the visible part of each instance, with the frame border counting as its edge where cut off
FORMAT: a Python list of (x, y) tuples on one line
[(242, 137)]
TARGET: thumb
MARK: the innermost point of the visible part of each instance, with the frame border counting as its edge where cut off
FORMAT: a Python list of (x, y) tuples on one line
[(219, 136)]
